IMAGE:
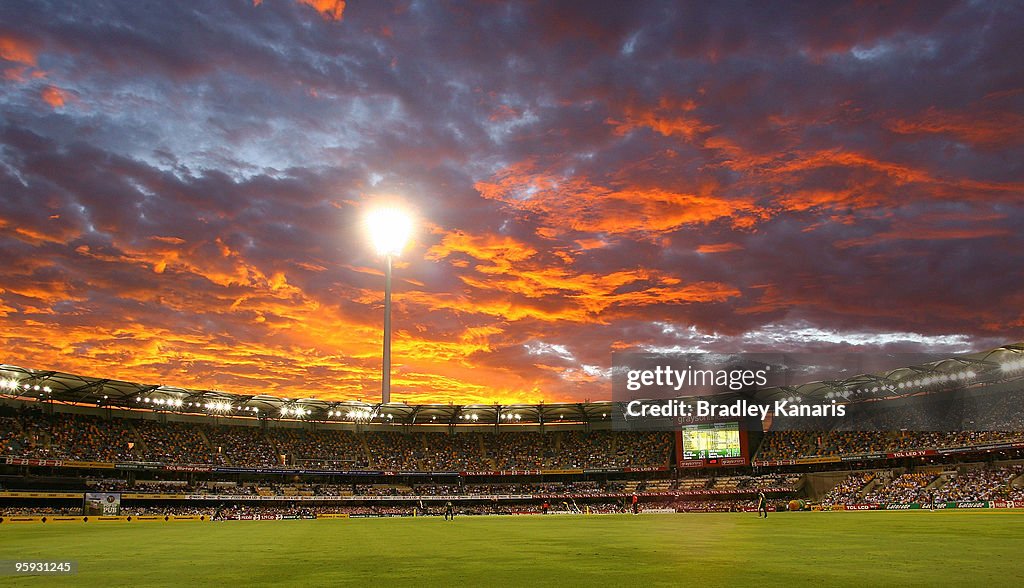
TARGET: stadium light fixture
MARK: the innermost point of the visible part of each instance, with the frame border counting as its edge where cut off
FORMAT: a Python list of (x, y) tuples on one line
[(1013, 365), (389, 229)]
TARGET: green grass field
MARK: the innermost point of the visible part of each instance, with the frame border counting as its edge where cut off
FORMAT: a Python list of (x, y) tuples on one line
[(863, 549)]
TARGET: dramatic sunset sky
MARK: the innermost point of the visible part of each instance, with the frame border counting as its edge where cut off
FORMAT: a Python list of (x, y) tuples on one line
[(182, 186)]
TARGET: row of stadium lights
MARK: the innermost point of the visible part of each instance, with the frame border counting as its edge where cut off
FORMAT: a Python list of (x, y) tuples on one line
[(13, 385), (222, 407), (1015, 365), (905, 385), (356, 415)]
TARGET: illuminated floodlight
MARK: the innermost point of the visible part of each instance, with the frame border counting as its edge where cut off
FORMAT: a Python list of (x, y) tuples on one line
[(389, 229)]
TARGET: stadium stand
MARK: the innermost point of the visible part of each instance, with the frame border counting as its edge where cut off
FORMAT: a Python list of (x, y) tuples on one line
[(979, 484), (849, 490)]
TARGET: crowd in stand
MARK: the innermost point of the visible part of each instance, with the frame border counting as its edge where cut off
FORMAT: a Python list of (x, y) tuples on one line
[(781, 445), (240, 447), (320, 449), (979, 484), (32, 434), (395, 451), (453, 452), (182, 443), (65, 436), (13, 511), (770, 482), (520, 451), (778, 445), (907, 488), (178, 511), (709, 505), (848, 491)]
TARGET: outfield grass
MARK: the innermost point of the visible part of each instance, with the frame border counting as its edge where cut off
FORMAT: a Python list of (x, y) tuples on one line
[(863, 549)]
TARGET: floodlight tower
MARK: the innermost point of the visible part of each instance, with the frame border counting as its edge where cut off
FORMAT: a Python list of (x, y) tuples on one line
[(389, 230)]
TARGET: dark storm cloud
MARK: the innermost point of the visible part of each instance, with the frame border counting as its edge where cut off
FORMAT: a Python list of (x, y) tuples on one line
[(183, 186)]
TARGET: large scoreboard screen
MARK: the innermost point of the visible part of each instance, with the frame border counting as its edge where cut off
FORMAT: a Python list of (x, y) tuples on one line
[(714, 441)]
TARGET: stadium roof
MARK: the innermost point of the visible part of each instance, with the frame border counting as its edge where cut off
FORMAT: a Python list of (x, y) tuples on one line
[(58, 387)]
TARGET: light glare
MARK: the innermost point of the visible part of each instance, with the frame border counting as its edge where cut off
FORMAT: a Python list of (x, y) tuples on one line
[(389, 230)]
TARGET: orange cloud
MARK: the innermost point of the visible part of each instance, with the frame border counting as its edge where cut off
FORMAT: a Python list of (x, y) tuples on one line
[(54, 96), (570, 203), (985, 129), (719, 247), (15, 74), (330, 9), (665, 120), (514, 281), (18, 51), (869, 181), (925, 234), (271, 336), (503, 112)]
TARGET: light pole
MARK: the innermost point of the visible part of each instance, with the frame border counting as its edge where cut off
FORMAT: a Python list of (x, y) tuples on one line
[(389, 230)]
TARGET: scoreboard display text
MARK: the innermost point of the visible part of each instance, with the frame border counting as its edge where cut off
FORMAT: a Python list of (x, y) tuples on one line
[(714, 441)]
